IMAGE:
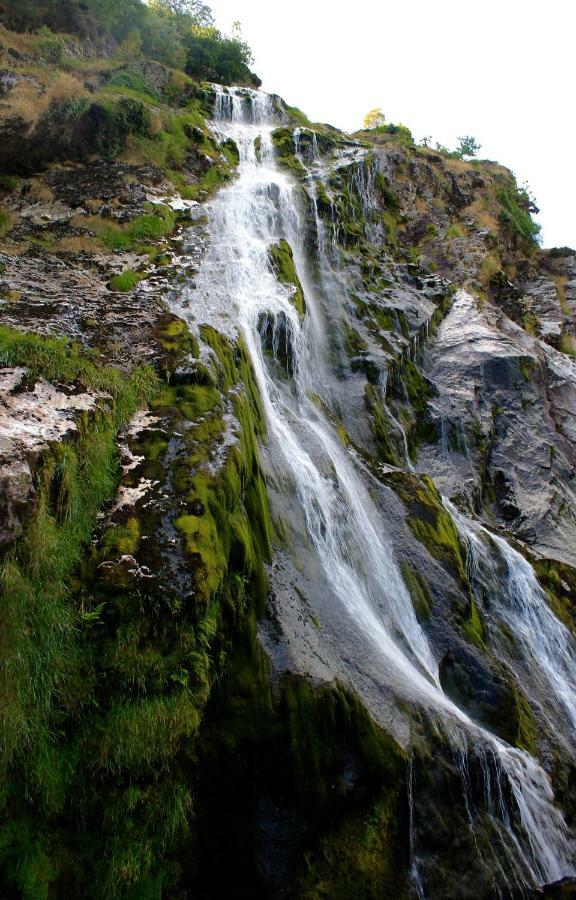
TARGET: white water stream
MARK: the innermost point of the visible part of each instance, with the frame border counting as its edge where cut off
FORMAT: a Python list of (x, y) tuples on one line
[(547, 647), (262, 206)]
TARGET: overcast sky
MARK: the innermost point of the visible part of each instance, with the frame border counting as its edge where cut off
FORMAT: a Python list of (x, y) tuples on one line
[(501, 70)]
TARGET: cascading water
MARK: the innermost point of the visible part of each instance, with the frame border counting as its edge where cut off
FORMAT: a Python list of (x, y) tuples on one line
[(344, 526), (517, 599)]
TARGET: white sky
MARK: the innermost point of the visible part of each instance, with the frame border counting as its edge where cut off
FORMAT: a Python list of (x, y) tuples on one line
[(501, 70)]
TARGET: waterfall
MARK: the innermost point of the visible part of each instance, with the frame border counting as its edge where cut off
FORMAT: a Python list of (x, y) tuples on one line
[(517, 599), (236, 281)]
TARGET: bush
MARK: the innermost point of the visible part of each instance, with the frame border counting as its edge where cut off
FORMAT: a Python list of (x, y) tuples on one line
[(402, 132), (515, 213), (113, 123), (70, 109), (133, 117), (217, 59), (133, 81), (51, 47), (467, 146), (8, 183)]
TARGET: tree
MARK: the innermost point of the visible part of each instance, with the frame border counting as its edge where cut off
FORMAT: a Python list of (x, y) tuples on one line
[(467, 146), (374, 118), (195, 10)]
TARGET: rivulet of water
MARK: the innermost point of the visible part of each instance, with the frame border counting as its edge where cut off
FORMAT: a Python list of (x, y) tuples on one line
[(262, 206)]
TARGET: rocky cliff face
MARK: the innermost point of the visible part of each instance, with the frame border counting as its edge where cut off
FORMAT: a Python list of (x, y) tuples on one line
[(188, 706)]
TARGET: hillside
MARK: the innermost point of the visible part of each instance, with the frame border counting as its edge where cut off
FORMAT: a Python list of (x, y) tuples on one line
[(288, 536)]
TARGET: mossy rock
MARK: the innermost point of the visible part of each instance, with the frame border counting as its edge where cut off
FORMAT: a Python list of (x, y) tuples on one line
[(473, 626), (489, 693), (387, 448), (176, 341), (281, 260), (559, 581), (126, 281), (283, 141), (419, 591), (430, 521)]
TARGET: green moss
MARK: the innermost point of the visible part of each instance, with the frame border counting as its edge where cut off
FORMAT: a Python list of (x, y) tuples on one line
[(358, 858), (297, 116), (419, 591), (386, 446), (386, 319), (356, 854), (125, 281), (122, 539), (408, 382), (347, 205), (559, 582), (354, 343), (177, 342), (527, 734), (219, 523), (283, 140), (40, 666), (389, 197), (515, 214), (473, 626), (282, 264), (430, 521)]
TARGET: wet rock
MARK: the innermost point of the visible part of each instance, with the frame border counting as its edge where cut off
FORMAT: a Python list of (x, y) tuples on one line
[(47, 214), (486, 696), (494, 388), (33, 414)]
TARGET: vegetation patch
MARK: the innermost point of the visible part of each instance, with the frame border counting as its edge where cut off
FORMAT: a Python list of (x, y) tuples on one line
[(419, 591), (282, 263), (125, 281), (515, 213)]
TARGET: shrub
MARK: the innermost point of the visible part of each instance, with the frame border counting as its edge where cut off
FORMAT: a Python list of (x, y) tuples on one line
[(401, 132), (133, 117), (516, 213), (70, 109), (114, 122), (467, 146), (51, 47), (215, 58), (8, 183), (133, 81)]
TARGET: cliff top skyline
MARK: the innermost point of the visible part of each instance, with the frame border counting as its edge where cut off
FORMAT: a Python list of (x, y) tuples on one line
[(501, 73)]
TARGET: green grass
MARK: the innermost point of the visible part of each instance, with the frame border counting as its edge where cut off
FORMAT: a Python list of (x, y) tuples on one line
[(72, 482), (515, 214), (152, 226), (125, 281), (5, 222), (131, 84), (455, 230), (8, 182)]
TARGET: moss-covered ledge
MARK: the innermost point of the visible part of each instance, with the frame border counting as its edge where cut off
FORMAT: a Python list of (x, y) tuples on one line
[(281, 260)]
